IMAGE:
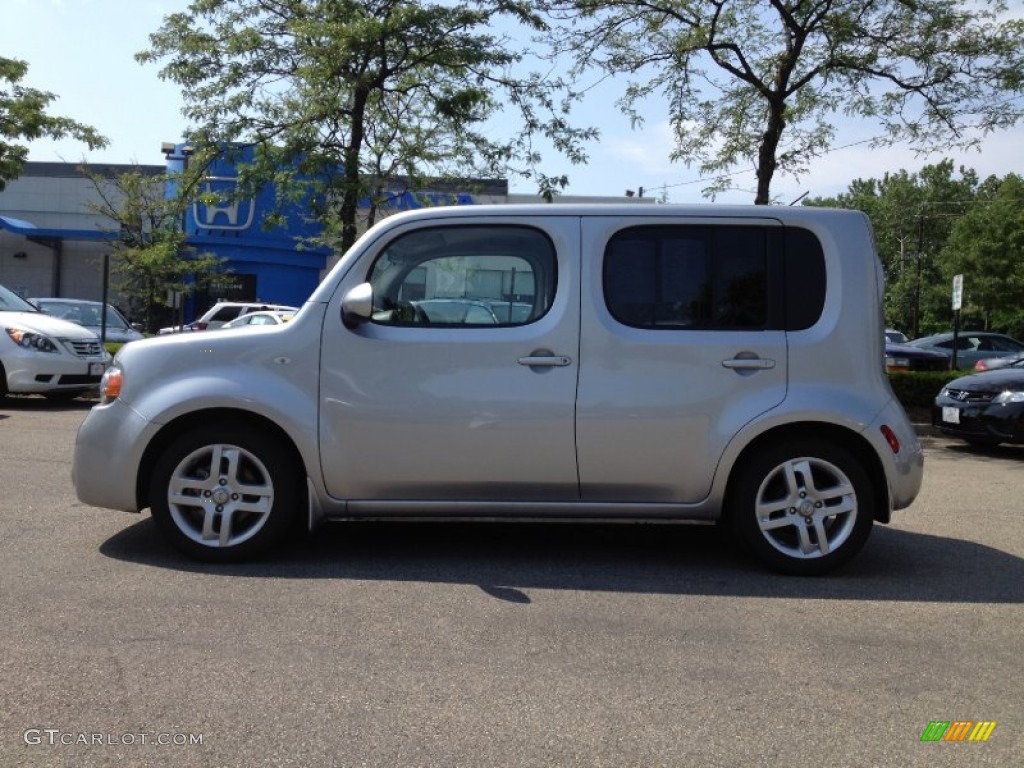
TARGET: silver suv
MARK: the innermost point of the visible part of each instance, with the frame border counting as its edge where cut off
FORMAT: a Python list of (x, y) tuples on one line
[(667, 364)]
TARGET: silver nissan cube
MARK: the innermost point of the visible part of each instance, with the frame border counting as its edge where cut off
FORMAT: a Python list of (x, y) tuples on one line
[(634, 363)]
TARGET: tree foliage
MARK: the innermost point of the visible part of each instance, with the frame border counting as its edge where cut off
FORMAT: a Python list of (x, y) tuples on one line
[(767, 82), (350, 97), (937, 223), (986, 245), (146, 234), (24, 118)]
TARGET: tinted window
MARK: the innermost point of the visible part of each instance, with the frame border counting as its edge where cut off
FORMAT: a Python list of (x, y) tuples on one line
[(805, 279), (688, 277), (464, 276), (1005, 345), (224, 314)]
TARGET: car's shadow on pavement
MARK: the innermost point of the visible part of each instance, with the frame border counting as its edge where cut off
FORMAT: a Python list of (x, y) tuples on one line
[(965, 451), (505, 559), (30, 403)]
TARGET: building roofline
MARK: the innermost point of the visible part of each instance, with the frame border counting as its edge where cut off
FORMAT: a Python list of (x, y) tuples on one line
[(55, 170), (32, 232)]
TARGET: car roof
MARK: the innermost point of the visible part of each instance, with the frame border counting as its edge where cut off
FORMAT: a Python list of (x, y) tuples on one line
[(65, 300), (949, 335), (249, 304)]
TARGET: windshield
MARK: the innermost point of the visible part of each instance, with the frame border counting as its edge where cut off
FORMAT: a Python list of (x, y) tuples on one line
[(12, 302), (85, 313)]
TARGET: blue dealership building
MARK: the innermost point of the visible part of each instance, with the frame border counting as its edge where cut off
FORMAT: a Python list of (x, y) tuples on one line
[(52, 242)]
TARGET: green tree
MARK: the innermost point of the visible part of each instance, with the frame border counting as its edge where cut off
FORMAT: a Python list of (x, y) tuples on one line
[(766, 82), (147, 236), (912, 215), (986, 246), (342, 99), (23, 117)]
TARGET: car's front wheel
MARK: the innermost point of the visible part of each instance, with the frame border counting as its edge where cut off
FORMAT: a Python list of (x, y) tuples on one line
[(226, 492), (803, 507)]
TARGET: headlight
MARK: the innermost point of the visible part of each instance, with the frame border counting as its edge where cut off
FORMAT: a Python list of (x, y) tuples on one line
[(897, 363), (110, 385), (1009, 397), (31, 340)]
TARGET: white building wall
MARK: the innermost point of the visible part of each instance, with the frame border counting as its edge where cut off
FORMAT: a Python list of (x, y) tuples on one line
[(57, 200)]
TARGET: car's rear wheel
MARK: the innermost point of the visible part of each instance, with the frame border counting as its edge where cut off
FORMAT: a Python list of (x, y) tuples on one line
[(803, 507), (226, 492)]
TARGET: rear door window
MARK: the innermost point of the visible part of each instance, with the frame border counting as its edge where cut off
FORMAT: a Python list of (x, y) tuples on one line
[(727, 277), (688, 277)]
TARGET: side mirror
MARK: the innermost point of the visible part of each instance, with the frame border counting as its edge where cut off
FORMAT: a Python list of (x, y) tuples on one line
[(357, 305)]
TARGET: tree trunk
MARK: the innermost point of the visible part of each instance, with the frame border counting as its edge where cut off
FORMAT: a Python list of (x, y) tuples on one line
[(766, 162), (350, 197)]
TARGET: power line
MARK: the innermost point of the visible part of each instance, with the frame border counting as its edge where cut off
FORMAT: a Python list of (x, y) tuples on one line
[(830, 150), (709, 179)]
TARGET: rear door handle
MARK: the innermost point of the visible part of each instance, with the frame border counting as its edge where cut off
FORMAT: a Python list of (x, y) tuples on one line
[(756, 363), (558, 361)]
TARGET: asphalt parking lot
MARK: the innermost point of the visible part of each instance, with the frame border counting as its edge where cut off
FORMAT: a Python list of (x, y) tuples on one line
[(501, 645)]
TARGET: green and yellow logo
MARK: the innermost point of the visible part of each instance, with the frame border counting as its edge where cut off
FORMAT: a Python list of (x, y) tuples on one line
[(958, 730)]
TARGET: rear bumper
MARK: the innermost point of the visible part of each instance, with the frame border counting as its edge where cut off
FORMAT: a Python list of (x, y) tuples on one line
[(904, 471)]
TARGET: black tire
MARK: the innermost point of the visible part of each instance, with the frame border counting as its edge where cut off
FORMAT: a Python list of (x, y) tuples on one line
[(802, 508), (259, 492)]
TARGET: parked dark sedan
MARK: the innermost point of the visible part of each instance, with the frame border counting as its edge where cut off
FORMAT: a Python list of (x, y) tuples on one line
[(903, 357), (985, 408)]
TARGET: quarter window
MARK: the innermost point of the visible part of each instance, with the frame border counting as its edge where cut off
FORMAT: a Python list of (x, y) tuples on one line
[(474, 276)]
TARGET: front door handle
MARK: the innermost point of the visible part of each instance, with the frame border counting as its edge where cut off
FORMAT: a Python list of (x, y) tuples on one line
[(755, 363), (557, 361)]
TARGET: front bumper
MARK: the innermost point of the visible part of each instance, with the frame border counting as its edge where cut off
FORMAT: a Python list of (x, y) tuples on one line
[(108, 451), (38, 373), (991, 422)]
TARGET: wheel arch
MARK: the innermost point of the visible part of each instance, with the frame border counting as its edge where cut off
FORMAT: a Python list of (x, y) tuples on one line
[(184, 423), (851, 441)]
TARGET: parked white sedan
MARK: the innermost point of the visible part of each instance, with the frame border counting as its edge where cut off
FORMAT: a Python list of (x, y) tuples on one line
[(40, 354), (254, 319)]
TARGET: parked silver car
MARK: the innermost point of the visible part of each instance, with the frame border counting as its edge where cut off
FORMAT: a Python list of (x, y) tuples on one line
[(971, 346), (676, 364), (87, 314)]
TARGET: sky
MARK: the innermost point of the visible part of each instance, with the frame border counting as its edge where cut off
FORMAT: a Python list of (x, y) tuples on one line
[(83, 51)]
